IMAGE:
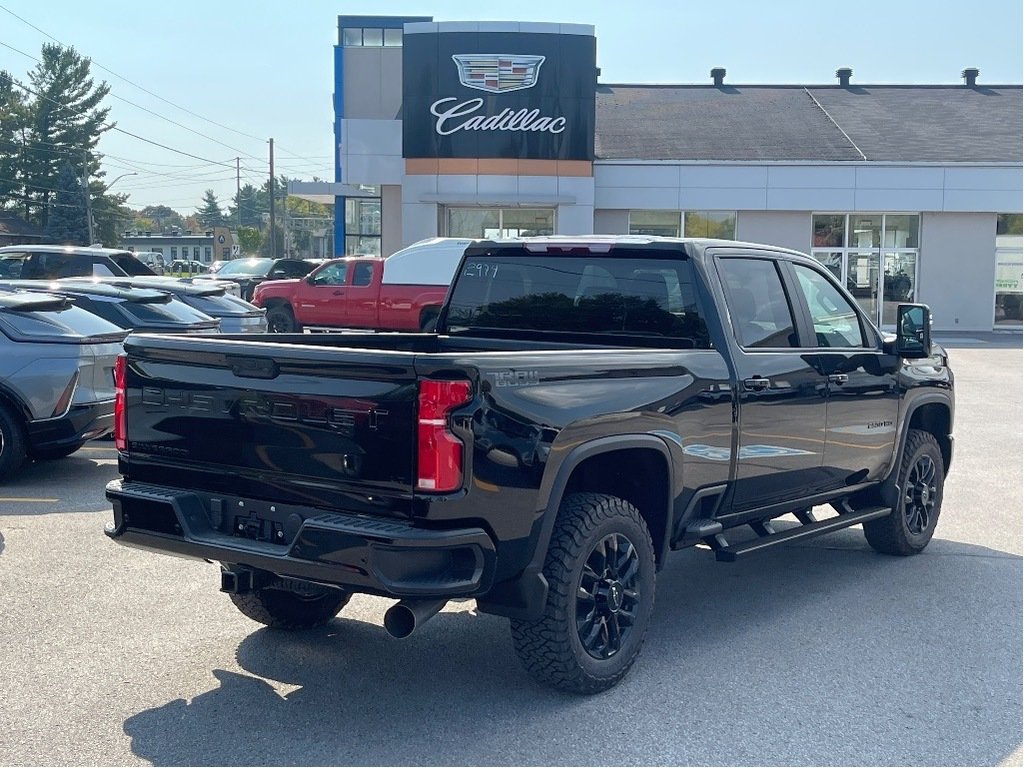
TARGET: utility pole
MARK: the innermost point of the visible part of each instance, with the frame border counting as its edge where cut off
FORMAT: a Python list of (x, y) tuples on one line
[(238, 193), (273, 225), (88, 197)]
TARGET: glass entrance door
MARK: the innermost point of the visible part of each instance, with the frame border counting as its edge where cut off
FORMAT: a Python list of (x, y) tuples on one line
[(873, 255)]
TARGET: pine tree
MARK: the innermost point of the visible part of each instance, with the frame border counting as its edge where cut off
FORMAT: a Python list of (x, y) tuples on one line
[(210, 214), (12, 122), (245, 209), (64, 123), (66, 223)]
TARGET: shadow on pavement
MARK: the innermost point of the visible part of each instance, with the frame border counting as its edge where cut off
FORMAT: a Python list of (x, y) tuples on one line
[(820, 654)]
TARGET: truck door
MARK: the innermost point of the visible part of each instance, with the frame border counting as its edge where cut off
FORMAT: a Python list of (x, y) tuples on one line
[(782, 396), (863, 395), (321, 298), (361, 295)]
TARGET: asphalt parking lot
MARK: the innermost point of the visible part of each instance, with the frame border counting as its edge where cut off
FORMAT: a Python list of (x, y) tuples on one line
[(822, 653)]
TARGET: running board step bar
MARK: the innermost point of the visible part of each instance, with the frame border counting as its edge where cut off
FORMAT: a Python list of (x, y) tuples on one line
[(724, 552)]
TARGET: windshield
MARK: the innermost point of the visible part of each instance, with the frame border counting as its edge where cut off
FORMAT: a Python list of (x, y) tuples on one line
[(621, 293), (246, 267)]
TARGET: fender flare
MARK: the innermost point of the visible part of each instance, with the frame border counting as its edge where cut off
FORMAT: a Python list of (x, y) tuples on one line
[(524, 597), (904, 427)]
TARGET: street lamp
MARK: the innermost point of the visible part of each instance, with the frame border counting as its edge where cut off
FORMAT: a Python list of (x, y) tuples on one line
[(88, 203), (131, 173)]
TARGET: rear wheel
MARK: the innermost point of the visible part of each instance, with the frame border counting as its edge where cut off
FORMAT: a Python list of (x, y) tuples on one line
[(600, 573), (280, 319), (12, 443), (916, 499), (283, 608)]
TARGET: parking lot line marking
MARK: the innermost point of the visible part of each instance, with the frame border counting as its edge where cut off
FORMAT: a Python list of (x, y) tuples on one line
[(19, 500)]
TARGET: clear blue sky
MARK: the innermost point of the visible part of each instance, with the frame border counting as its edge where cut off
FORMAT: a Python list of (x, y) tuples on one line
[(265, 68)]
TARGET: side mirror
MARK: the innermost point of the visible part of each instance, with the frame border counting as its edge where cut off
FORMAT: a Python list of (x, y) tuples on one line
[(913, 330)]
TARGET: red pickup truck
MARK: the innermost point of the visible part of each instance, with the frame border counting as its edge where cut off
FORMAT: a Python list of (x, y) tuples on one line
[(402, 292)]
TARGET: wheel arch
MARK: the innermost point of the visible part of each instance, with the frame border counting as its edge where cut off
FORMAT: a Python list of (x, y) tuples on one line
[(934, 417), (610, 459), (636, 468)]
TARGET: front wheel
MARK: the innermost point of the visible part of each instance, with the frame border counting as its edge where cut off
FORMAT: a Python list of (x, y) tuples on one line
[(12, 443), (280, 319), (600, 573), (917, 499), (282, 608)]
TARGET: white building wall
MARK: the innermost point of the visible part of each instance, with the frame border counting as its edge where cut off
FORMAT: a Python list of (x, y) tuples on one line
[(806, 187), (611, 222), (390, 219), (786, 229), (956, 271)]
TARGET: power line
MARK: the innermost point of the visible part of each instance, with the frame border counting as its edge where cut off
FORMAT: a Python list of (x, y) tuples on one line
[(134, 84), (112, 127), (144, 109)]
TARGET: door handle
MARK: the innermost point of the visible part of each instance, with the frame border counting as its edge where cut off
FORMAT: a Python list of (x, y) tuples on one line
[(756, 383), (838, 378)]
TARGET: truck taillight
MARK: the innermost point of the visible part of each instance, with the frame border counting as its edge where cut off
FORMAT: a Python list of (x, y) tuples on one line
[(438, 451), (120, 421)]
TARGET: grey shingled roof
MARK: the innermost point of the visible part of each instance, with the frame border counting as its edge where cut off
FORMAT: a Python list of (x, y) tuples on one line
[(752, 123)]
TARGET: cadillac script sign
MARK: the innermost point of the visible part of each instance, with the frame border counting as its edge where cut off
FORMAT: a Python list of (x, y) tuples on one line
[(499, 94)]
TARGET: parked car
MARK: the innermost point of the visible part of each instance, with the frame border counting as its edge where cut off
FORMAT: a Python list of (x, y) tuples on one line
[(56, 377), (248, 273), (135, 309), (403, 292), (52, 262), (152, 259), (207, 296), (188, 267), (586, 406)]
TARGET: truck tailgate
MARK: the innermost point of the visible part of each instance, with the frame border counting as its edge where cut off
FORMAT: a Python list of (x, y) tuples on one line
[(301, 423)]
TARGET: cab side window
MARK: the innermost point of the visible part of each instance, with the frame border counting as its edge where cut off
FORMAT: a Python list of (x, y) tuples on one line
[(836, 323), (362, 274), (760, 311), (332, 274)]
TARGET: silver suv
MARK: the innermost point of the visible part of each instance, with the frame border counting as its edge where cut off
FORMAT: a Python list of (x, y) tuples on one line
[(56, 377)]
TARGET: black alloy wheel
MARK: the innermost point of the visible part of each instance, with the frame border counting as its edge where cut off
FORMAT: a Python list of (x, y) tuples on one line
[(920, 495), (600, 570), (608, 596), (914, 494)]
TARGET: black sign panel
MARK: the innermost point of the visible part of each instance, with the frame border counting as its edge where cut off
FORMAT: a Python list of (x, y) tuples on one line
[(499, 94)]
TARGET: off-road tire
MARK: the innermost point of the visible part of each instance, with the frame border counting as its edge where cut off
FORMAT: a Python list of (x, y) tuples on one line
[(281, 319), (551, 648), (910, 526), (288, 609), (12, 443)]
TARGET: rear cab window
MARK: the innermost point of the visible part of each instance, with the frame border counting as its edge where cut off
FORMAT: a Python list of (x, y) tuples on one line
[(627, 292), (759, 309)]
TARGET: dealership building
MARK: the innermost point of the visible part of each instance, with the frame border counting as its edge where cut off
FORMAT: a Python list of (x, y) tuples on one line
[(494, 129)]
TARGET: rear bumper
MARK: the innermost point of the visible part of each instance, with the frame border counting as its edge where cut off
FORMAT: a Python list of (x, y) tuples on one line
[(386, 557), (79, 425)]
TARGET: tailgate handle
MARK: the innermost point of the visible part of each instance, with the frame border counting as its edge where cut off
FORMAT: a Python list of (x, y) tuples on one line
[(254, 368)]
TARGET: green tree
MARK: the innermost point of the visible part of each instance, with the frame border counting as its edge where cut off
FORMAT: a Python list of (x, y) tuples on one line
[(160, 218), (64, 123), (66, 222), (12, 123), (110, 214), (209, 213), (245, 209), (250, 240)]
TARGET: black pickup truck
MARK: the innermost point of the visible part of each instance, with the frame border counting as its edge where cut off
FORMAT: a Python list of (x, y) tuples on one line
[(585, 406)]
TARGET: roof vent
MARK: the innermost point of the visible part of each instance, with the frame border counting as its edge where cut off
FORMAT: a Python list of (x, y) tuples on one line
[(718, 75), (844, 74), (970, 76)]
